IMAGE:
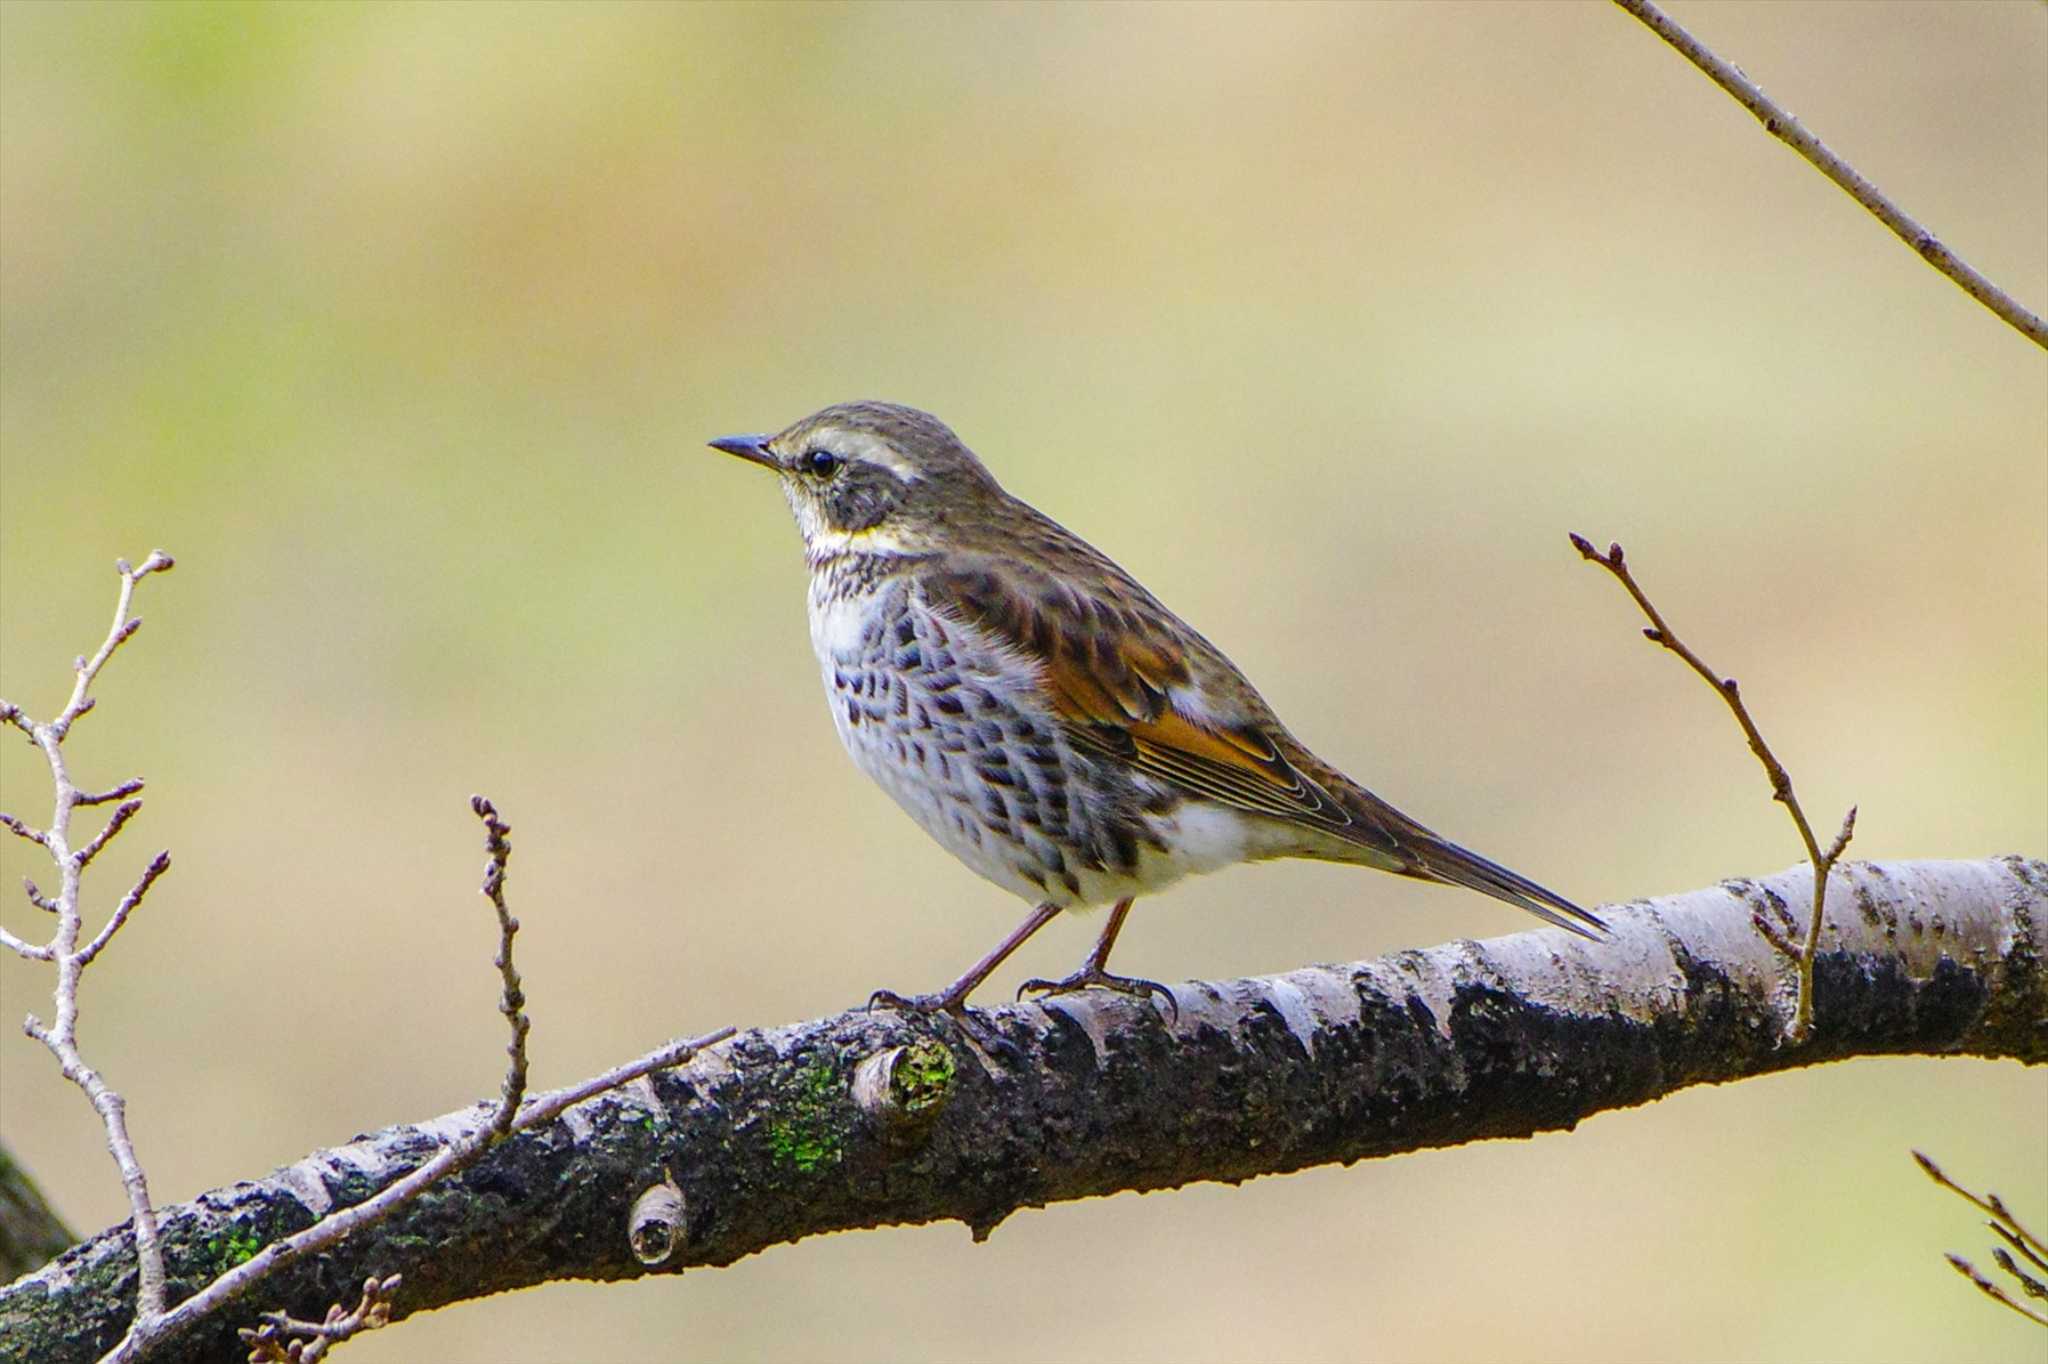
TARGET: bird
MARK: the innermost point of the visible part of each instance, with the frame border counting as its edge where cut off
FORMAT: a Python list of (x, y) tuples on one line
[(1041, 714)]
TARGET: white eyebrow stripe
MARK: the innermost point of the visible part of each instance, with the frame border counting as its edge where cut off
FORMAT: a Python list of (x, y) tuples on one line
[(867, 448)]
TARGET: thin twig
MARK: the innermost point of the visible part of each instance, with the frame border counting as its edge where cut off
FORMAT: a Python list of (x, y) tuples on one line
[(272, 1343), (2019, 1243), (1992, 1290), (509, 1115), (1787, 129), (119, 792), (512, 1001), (1772, 935), (152, 1323), (22, 830), (1659, 632), (31, 951), (158, 865), (61, 1035), (2035, 1288), (1990, 1204), (2009, 1230), (328, 1231), (661, 1058), (123, 812)]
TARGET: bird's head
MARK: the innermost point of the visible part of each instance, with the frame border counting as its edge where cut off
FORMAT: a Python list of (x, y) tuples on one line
[(870, 477)]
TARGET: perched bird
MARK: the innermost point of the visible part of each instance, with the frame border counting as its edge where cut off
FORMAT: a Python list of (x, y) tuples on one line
[(1042, 715)]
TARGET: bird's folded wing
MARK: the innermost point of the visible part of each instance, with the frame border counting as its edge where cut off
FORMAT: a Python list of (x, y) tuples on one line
[(1111, 669)]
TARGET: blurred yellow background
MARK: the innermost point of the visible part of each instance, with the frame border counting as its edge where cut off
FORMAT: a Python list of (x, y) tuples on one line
[(403, 327)]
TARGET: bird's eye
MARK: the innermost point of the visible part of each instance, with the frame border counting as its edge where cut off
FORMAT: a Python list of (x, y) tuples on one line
[(821, 463)]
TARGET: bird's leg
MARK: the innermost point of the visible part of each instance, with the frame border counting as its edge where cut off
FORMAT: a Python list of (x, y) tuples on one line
[(1095, 970), (953, 999)]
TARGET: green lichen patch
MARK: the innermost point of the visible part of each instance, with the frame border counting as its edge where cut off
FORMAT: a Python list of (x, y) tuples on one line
[(807, 1137), (923, 1079), (233, 1245)]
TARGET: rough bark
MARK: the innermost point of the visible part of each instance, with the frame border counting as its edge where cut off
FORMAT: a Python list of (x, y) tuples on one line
[(784, 1133)]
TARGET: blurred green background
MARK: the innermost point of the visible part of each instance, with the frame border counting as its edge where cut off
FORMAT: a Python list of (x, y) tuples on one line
[(402, 326)]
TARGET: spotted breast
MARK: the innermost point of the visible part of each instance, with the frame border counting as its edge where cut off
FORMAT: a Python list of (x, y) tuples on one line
[(956, 728)]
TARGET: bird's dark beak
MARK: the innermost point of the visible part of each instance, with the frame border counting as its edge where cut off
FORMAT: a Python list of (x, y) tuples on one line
[(753, 448)]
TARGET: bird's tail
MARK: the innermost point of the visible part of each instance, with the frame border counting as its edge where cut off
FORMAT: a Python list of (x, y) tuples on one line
[(1383, 837), (1438, 859), (1375, 834)]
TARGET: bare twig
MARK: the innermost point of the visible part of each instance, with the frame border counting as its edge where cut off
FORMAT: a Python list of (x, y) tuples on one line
[(21, 830), (512, 1002), (281, 1337), (2009, 1230), (119, 792), (509, 1115), (1775, 937), (450, 1160), (273, 1343), (547, 1108), (2018, 1241), (158, 865), (1787, 129), (28, 951), (61, 1036), (1992, 1290), (1990, 1204), (123, 812), (1802, 954), (2035, 1288)]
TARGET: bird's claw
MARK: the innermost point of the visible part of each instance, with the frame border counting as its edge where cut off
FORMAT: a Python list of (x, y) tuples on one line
[(1096, 978), (913, 1004)]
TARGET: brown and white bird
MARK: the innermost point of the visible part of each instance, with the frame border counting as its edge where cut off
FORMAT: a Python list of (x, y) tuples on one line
[(1042, 715)]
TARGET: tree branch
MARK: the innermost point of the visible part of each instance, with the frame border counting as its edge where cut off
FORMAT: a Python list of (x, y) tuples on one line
[(61, 1035), (869, 1119), (153, 1335), (1790, 131), (512, 1000), (1659, 632), (30, 1231), (2008, 1229)]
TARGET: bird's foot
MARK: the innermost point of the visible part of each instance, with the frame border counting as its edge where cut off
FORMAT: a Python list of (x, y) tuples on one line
[(951, 1004), (1094, 977)]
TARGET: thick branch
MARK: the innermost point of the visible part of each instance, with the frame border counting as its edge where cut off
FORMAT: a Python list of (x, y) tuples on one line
[(864, 1120)]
